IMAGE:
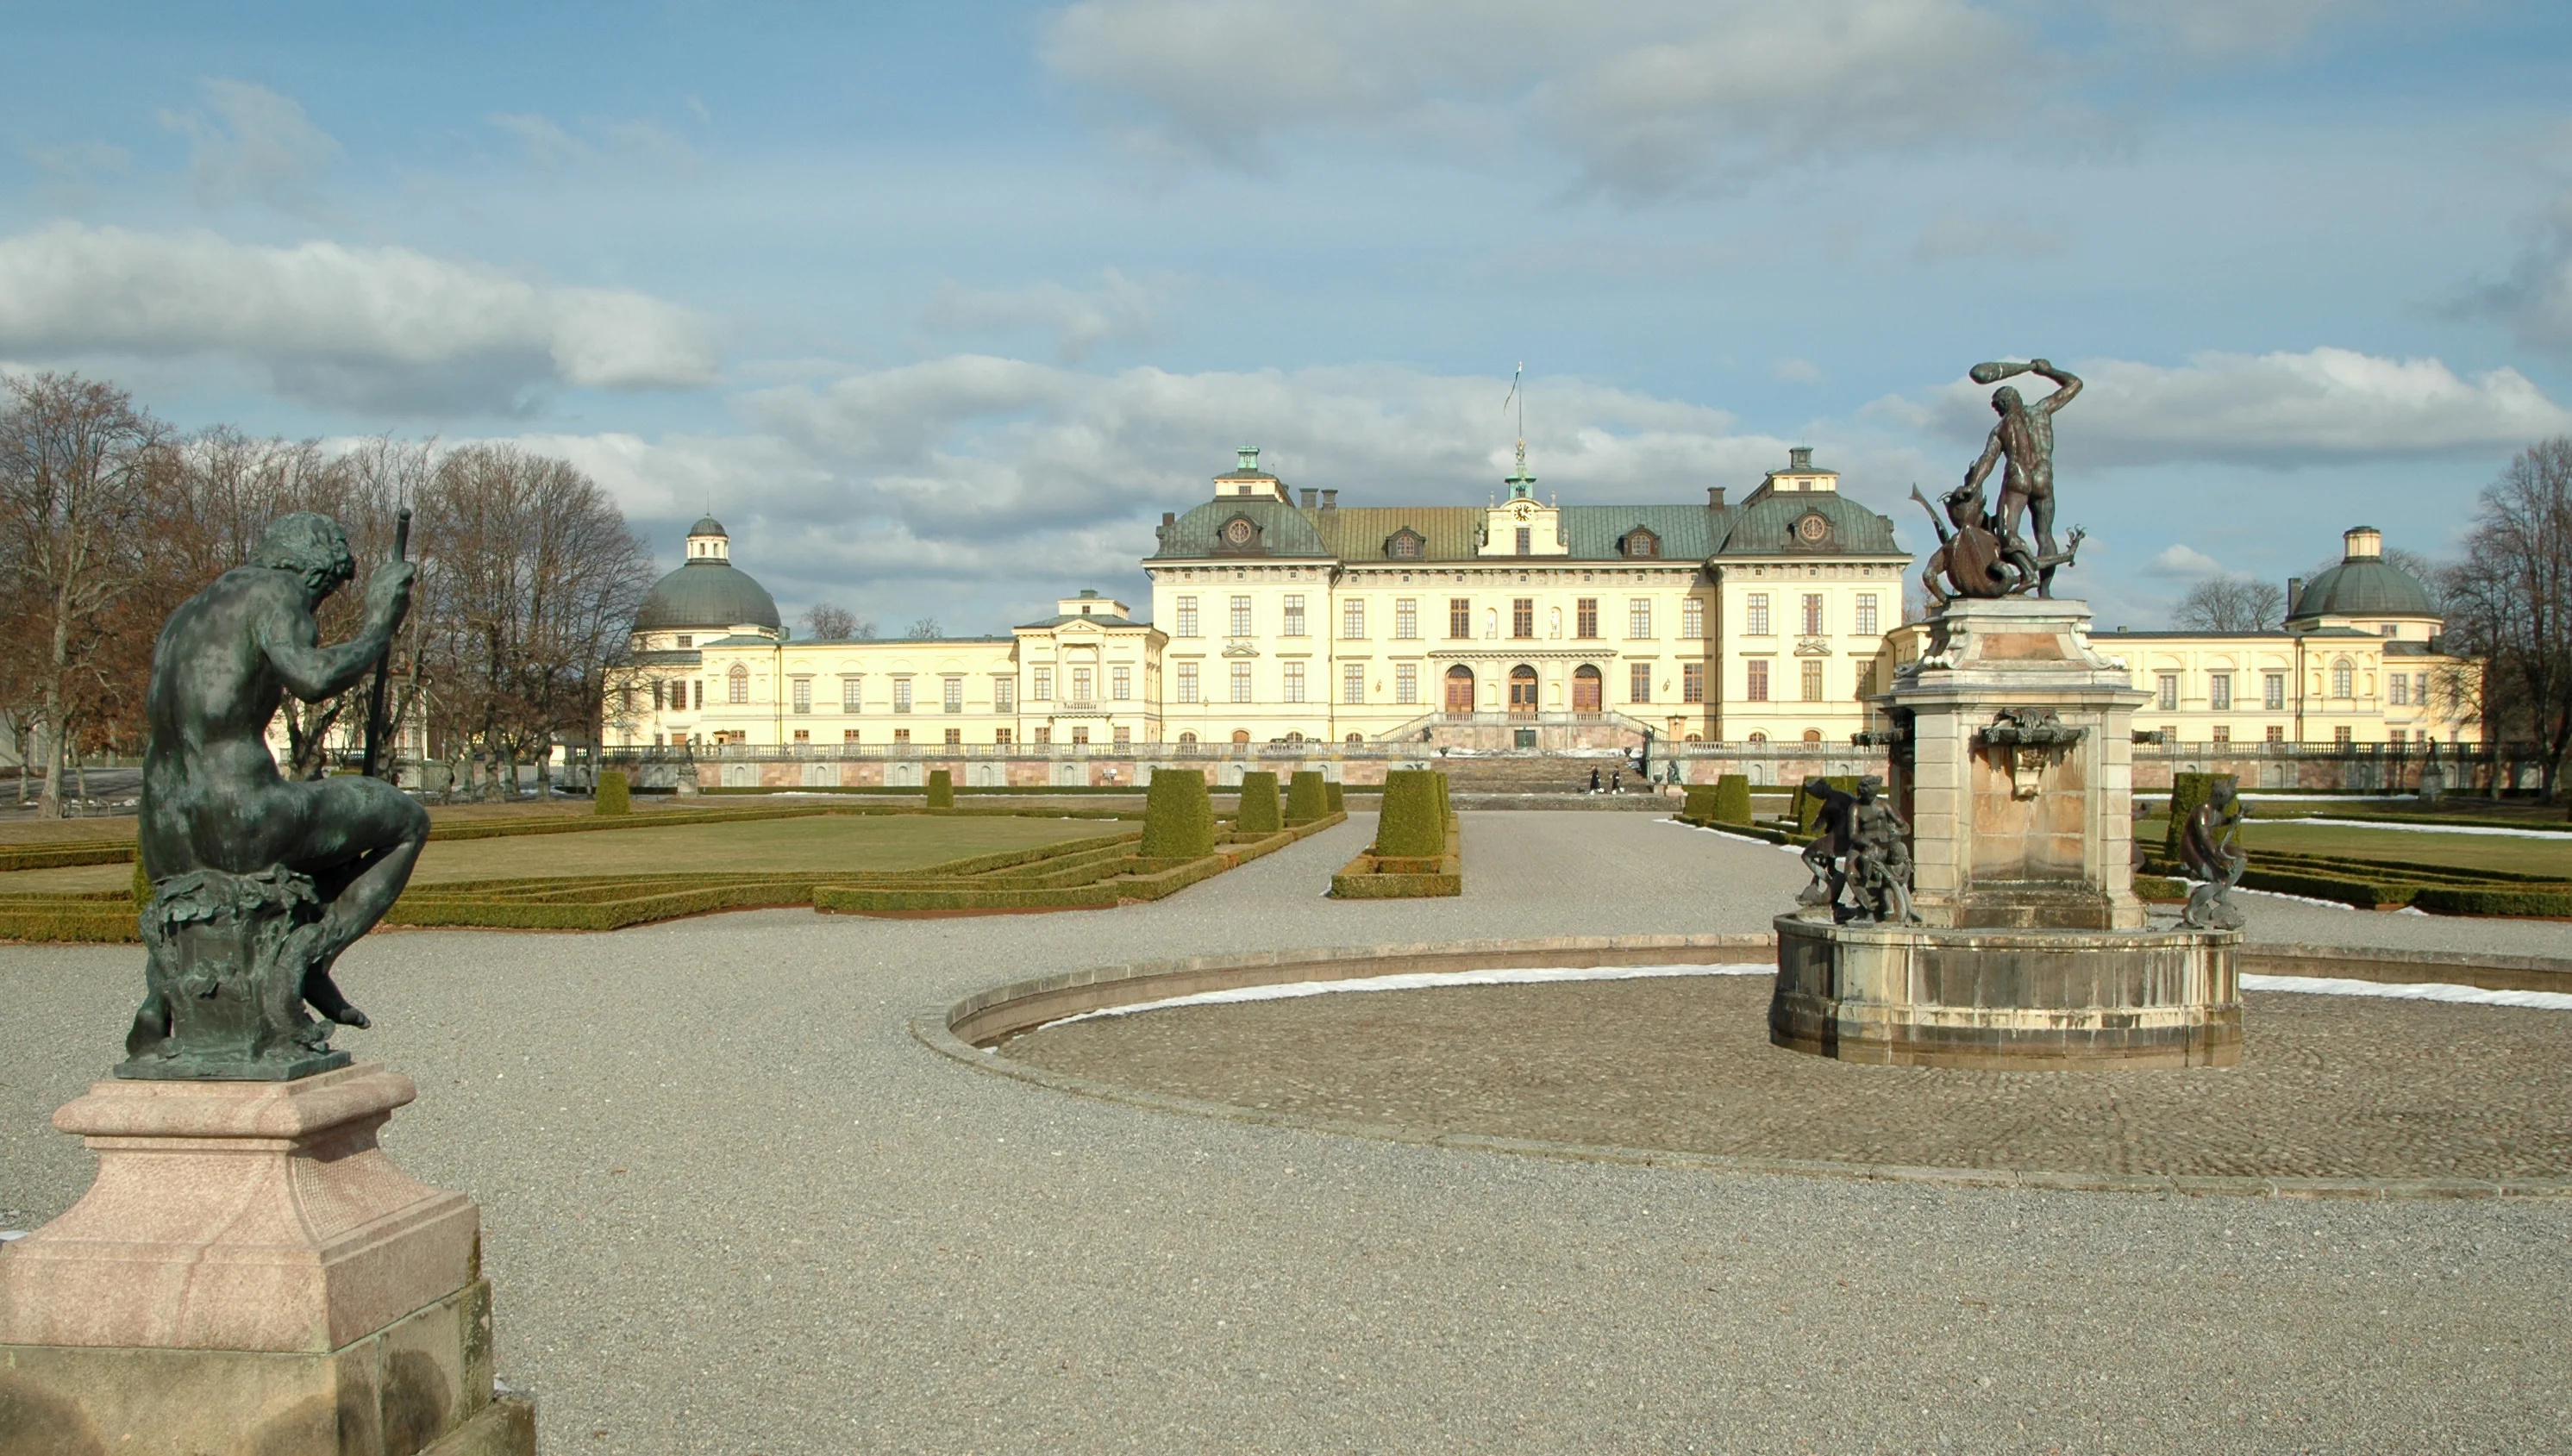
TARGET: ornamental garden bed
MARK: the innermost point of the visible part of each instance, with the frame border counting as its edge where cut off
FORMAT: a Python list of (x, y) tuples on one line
[(1418, 851), (2378, 885)]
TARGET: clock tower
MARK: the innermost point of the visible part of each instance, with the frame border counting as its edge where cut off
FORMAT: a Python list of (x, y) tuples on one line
[(1523, 525)]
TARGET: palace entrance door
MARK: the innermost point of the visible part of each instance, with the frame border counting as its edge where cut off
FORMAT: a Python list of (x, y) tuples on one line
[(1522, 691), (1584, 691), (1460, 688)]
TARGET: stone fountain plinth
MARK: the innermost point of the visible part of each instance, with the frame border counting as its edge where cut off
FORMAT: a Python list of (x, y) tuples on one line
[(2011, 761)]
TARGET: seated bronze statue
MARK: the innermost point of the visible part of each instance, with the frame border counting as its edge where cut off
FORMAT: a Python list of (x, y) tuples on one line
[(258, 882)]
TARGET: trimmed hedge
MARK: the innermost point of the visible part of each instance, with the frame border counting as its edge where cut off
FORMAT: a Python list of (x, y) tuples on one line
[(106, 918), (66, 855), (1761, 832), (1306, 799), (2160, 887), (1099, 882), (2188, 791), (1698, 804), (1415, 818), (1260, 811), (1732, 799), (942, 788), (1335, 798), (2457, 901), (1373, 876), (613, 795), (1178, 818)]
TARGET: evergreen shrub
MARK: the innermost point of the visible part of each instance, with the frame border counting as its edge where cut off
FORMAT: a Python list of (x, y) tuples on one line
[(1333, 795), (1306, 799), (1259, 812), (1413, 822), (942, 789), (1698, 806), (1732, 799), (1178, 818), (142, 888), (615, 796)]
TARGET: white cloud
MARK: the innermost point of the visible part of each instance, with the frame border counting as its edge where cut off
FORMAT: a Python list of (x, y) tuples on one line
[(1797, 371), (74, 161), (551, 145), (2183, 560), (1645, 96), (2226, 30), (374, 326), (1118, 309), (1957, 233), (2275, 410), (258, 146)]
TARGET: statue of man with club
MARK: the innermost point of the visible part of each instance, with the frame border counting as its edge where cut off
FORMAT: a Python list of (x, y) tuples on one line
[(2024, 437)]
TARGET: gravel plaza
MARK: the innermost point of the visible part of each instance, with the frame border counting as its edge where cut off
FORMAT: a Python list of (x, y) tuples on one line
[(732, 1204)]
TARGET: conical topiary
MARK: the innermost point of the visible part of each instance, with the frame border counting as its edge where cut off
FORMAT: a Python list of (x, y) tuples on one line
[(1732, 799), (1178, 818), (1337, 799), (1259, 814), (942, 789), (1306, 798), (613, 795), (1413, 822)]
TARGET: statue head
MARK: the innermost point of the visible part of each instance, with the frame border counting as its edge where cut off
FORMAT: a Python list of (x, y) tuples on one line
[(1964, 506), (312, 546), (2006, 401), (1868, 787)]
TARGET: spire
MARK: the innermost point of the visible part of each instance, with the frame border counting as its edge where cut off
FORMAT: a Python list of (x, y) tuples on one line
[(1520, 481)]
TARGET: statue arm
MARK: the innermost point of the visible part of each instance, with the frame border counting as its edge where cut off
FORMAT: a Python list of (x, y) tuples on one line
[(1982, 466), (289, 640), (2071, 385)]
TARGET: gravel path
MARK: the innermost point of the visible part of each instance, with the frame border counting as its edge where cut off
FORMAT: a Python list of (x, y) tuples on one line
[(730, 1207)]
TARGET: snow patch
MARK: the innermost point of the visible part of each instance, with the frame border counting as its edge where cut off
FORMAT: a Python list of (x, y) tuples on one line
[(2410, 991), (2556, 834), (1424, 981)]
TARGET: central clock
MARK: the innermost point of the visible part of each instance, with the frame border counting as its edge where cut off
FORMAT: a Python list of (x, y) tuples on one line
[(1238, 532)]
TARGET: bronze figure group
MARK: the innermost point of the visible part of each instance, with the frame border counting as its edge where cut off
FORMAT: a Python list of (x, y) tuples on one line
[(1984, 552)]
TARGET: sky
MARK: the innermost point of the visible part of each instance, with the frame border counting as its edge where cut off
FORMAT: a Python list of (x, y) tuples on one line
[(938, 306)]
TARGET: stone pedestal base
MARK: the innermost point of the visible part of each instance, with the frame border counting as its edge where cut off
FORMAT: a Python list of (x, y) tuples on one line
[(251, 1273), (2026, 1000)]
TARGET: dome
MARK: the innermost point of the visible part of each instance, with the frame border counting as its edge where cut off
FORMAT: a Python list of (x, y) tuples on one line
[(2364, 584), (706, 526), (707, 593)]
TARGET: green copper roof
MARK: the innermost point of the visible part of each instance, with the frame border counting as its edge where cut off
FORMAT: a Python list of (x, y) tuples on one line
[(1766, 526), (1593, 533), (2365, 587), (707, 593)]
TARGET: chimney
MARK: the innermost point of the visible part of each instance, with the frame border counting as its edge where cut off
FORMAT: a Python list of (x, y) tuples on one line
[(2295, 594), (1714, 497), (1169, 518), (1329, 500), (1310, 496), (1799, 457)]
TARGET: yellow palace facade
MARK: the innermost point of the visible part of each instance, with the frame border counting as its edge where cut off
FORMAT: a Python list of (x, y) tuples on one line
[(1286, 616)]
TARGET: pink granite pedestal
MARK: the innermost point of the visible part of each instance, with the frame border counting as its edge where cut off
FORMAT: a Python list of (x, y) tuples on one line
[(251, 1273)]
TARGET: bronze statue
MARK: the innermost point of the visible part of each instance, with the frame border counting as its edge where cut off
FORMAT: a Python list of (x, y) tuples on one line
[(1837, 824), (2024, 438), (1974, 558), (2211, 849), (1862, 851), (260, 883)]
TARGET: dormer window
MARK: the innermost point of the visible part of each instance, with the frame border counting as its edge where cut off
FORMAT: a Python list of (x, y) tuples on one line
[(1403, 545), (1640, 544), (1238, 537)]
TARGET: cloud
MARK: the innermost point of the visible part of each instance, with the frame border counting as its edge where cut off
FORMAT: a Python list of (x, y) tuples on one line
[(2278, 411), (75, 161), (258, 146), (2535, 301), (1118, 309), (551, 147), (2231, 30), (1797, 371), (1956, 234), (374, 327), (2183, 560), (1644, 98)]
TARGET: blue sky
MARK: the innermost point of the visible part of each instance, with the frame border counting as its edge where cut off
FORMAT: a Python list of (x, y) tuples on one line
[(938, 306)]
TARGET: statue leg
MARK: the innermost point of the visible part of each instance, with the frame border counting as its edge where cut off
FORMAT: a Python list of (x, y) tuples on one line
[(364, 838)]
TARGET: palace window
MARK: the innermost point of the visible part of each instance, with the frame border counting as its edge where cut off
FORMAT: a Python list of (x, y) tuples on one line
[(802, 688), (1404, 546), (1042, 689), (1121, 683), (687, 640), (1353, 618), (2218, 692), (699, 693), (1813, 614), (1080, 738), (2340, 736), (1295, 615), (2273, 691), (2398, 689), (1241, 616), (1241, 682), (2420, 689), (2222, 734), (1460, 616), (1755, 688), (1125, 740), (847, 735), (1004, 695), (1639, 683), (2168, 692), (737, 680), (1081, 684), (1045, 736), (1527, 541), (2342, 677), (1000, 737), (955, 737), (1756, 615), (1812, 682), (1638, 619), (1406, 619), (1187, 682), (1585, 617), (1691, 682), (951, 694), (657, 695), (1866, 619), (902, 738), (2276, 734), (1692, 618), (1353, 681), (1643, 544), (901, 699), (1294, 682), (1187, 617), (1406, 682), (1522, 617), (853, 694)]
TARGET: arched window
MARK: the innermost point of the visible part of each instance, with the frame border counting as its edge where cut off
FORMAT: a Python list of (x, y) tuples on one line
[(1460, 688), (1187, 741), (1696, 738), (737, 679), (1523, 689), (1354, 740), (2340, 675), (1813, 736), (1585, 688), (1241, 736), (1759, 738)]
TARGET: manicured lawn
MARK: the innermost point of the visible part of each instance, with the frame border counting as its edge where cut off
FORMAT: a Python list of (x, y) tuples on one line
[(831, 842), (2551, 854)]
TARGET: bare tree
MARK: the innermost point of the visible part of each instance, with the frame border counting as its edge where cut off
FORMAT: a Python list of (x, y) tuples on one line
[(77, 468), (925, 630), (825, 623), (2509, 603), (2231, 604)]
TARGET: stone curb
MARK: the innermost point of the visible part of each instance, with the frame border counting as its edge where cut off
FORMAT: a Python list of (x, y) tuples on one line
[(929, 1027)]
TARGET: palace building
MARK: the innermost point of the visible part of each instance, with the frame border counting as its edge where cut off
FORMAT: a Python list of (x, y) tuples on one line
[(1285, 616)]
